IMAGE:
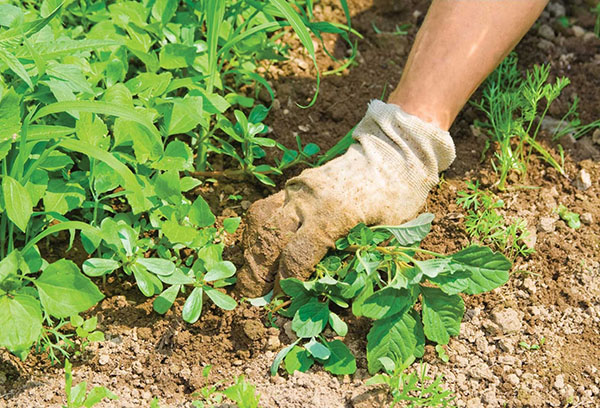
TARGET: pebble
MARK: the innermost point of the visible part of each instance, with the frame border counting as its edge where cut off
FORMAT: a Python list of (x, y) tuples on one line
[(545, 31), (508, 320), (474, 403), (287, 328), (583, 181), (104, 359), (480, 371), (513, 379), (545, 45), (578, 31), (556, 9), (589, 36), (137, 367), (596, 136), (273, 343), (559, 382), (587, 218), (546, 224), (245, 204)]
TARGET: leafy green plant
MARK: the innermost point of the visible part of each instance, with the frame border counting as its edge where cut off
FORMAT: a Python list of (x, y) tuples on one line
[(515, 108), (486, 225), (596, 11), (110, 116), (381, 273), (570, 217), (78, 396), (242, 393), (414, 388), (530, 347)]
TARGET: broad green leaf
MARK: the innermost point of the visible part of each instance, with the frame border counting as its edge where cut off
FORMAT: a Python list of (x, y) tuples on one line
[(96, 395), (37, 185), (192, 307), (10, 116), (357, 304), (231, 224), (65, 291), (10, 265), (433, 267), (99, 266), (200, 214), (280, 356), (17, 202), (396, 337), (341, 361), (157, 266), (167, 187), (164, 10), (183, 115), (337, 324), (13, 63), (292, 287), (220, 270), (298, 359), (452, 283), (178, 234), (220, 299), (387, 302), (21, 322), (442, 314), (173, 56), (412, 231), (310, 319), (177, 156), (488, 269), (164, 301), (144, 280), (243, 394), (317, 350), (63, 196)]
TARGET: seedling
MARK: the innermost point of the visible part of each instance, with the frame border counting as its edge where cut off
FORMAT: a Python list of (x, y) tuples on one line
[(485, 225), (415, 388), (78, 396), (530, 347), (570, 217), (242, 393), (381, 273)]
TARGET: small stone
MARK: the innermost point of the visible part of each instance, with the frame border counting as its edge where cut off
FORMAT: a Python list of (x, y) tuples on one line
[(273, 343), (545, 45), (146, 395), (531, 239), (583, 181), (513, 379), (254, 329), (589, 36), (245, 204), (480, 371), (301, 64), (287, 328), (578, 31), (303, 128), (276, 104), (508, 320), (286, 111), (545, 31), (104, 359), (587, 218), (237, 362), (474, 403), (490, 398), (559, 382), (556, 9), (490, 327), (596, 136), (546, 224), (137, 367)]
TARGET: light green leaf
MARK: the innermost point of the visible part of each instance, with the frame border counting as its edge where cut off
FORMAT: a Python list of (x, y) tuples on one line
[(165, 300), (178, 234), (220, 299), (231, 224), (13, 63), (310, 319), (337, 324), (193, 306), (173, 56), (220, 270), (412, 231), (65, 291), (387, 302), (157, 265), (442, 314), (96, 395), (183, 115), (144, 280), (62, 196), (317, 350), (298, 359), (17, 202), (99, 266), (21, 322), (200, 214), (280, 356)]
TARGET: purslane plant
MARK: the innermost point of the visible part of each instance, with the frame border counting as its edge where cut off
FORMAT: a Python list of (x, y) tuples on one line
[(411, 294)]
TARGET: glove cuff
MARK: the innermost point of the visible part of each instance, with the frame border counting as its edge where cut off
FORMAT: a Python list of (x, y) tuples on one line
[(409, 135)]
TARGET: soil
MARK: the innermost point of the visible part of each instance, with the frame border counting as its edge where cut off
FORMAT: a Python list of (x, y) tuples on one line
[(552, 298)]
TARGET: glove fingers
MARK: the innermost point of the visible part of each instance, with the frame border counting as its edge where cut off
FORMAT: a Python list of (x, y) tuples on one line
[(269, 228), (299, 257)]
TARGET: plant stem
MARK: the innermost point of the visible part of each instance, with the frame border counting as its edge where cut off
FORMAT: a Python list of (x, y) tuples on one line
[(394, 250)]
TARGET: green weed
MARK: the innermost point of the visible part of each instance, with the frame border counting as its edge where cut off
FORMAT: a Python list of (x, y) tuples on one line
[(78, 396), (570, 217), (485, 225), (414, 388), (381, 273), (515, 108)]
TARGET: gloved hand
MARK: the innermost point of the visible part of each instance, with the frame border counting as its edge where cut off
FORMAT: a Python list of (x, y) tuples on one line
[(382, 179)]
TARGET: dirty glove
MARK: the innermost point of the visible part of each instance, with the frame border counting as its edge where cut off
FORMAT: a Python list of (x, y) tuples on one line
[(382, 179)]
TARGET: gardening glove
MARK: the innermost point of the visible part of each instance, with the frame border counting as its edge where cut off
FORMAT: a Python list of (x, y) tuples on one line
[(382, 179)]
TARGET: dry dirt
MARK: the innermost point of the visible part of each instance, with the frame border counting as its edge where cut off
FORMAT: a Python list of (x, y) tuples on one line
[(552, 295)]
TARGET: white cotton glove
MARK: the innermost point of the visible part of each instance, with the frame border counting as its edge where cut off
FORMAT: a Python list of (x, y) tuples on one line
[(382, 179)]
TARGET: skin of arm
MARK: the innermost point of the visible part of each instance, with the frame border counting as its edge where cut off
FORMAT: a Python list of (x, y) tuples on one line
[(458, 45)]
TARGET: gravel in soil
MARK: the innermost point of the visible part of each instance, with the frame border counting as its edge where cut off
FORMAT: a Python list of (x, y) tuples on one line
[(553, 297)]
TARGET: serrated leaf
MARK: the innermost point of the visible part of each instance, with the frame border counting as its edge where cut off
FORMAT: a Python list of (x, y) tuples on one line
[(488, 269), (412, 231), (310, 319), (65, 291), (442, 314)]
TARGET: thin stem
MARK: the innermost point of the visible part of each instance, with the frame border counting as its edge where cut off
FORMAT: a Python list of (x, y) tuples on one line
[(395, 250)]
